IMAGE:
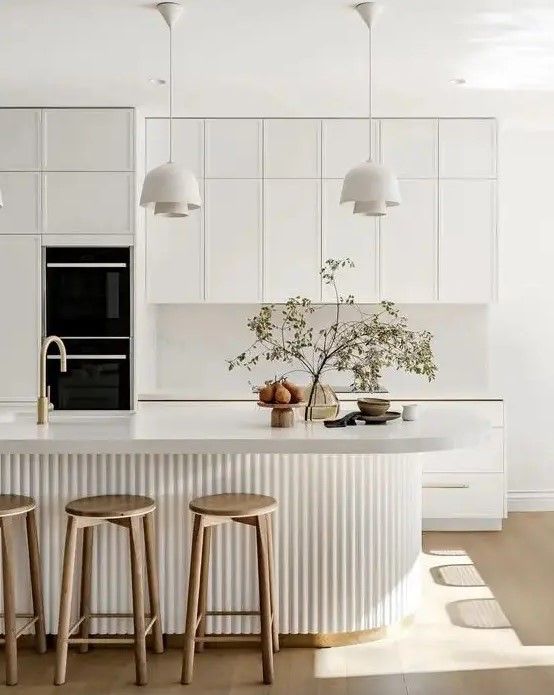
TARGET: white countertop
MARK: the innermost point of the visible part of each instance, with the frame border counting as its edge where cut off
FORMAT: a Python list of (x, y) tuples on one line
[(232, 428)]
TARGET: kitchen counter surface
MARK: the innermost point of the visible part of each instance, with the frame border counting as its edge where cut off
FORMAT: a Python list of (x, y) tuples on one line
[(197, 428), (344, 395)]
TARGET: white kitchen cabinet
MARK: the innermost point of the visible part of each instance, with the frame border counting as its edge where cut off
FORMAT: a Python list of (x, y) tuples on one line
[(234, 148), (409, 147), (21, 196), (87, 203), (345, 143), (345, 235), (20, 315), (20, 139), (174, 259), (408, 244), (233, 217), (292, 239), (188, 143), (467, 241), (88, 139), (467, 148), (292, 148)]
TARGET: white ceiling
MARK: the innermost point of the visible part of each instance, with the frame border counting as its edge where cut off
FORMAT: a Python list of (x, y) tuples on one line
[(279, 57)]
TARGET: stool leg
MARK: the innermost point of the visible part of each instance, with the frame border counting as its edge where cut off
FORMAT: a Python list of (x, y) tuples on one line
[(153, 586), (265, 599), (193, 596), (65, 599), (203, 597), (86, 577), (36, 580), (8, 569), (137, 580), (272, 585)]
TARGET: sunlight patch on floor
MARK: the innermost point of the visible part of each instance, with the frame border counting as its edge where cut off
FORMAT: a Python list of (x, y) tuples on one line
[(459, 627)]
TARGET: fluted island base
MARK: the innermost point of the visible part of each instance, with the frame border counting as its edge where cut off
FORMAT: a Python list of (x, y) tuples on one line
[(347, 541)]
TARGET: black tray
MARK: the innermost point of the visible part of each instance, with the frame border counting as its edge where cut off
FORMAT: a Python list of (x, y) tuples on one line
[(352, 419)]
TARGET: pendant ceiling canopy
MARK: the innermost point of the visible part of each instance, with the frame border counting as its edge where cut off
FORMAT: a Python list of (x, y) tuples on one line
[(170, 188), (371, 186)]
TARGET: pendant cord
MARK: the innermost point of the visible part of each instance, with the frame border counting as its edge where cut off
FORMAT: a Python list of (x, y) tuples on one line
[(170, 94), (370, 95)]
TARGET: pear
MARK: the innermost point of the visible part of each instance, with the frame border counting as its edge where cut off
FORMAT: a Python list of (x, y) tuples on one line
[(296, 392), (267, 392), (282, 395)]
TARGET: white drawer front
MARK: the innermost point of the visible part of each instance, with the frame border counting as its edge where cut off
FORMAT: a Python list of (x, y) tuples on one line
[(488, 457), (463, 495)]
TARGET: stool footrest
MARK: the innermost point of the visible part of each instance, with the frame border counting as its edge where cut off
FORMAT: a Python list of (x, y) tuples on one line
[(228, 638), (31, 620), (94, 640), (232, 613)]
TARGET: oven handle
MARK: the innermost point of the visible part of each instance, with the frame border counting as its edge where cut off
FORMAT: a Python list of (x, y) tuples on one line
[(86, 265), (89, 357)]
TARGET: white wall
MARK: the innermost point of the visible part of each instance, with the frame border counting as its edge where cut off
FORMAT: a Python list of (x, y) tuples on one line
[(522, 324), (194, 342)]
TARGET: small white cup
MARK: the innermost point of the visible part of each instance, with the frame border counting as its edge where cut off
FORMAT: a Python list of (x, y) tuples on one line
[(409, 412)]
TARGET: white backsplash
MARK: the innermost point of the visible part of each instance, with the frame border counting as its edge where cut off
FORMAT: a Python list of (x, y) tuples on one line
[(193, 343)]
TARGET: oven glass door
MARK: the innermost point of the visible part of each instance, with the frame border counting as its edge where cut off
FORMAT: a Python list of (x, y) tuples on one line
[(95, 380), (87, 295)]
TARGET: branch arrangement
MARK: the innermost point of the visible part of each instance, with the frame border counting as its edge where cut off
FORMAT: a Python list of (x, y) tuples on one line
[(363, 346)]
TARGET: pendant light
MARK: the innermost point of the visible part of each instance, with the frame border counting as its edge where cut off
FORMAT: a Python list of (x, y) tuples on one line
[(172, 189), (372, 187)]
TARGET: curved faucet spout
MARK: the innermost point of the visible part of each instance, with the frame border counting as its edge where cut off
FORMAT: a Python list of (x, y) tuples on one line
[(43, 352)]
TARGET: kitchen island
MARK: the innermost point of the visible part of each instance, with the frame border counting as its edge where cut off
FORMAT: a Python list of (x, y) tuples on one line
[(348, 528)]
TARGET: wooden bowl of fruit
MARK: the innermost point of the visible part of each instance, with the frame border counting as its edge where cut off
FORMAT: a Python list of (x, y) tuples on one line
[(281, 396)]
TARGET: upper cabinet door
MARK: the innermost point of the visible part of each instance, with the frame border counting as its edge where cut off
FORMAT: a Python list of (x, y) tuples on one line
[(292, 239), (88, 139), (19, 139), (408, 245), (345, 143), (233, 240), (87, 203), (292, 149), (174, 259), (467, 148), (188, 143), (409, 147), (467, 236), (21, 195), (234, 148), (349, 236), (20, 312)]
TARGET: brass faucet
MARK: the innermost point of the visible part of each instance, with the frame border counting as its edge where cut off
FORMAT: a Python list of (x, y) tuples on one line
[(43, 402)]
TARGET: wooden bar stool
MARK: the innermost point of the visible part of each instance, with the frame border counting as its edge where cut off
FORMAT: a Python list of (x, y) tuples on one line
[(126, 511), (13, 507), (215, 510)]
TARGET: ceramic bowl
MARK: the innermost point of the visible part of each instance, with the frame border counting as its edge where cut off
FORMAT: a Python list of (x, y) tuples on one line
[(373, 406)]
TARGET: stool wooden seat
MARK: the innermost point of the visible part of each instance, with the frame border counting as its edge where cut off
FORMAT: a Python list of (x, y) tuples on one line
[(84, 514), (234, 504), (13, 507), (214, 510)]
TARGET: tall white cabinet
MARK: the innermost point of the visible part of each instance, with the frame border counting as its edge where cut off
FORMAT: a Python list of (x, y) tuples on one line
[(67, 176), (272, 214)]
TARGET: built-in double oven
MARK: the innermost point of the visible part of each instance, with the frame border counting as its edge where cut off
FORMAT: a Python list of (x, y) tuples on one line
[(87, 303)]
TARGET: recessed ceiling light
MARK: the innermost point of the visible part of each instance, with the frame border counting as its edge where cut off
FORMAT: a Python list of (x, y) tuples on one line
[(157, 81), (458, 80)]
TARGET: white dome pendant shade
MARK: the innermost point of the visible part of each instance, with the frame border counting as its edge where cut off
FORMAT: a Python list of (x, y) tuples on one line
[(372, 187), (170, 188)]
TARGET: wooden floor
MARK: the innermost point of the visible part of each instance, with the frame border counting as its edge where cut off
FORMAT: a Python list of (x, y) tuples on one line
[(517, 564)]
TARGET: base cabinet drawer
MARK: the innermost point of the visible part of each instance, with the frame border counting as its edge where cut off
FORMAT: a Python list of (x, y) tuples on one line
[(459, 496), (487, 457)]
